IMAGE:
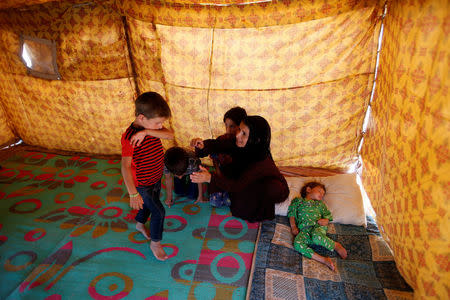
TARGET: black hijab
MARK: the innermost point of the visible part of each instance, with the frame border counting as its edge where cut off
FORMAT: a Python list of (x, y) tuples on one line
[(257, 147), (258, 143)]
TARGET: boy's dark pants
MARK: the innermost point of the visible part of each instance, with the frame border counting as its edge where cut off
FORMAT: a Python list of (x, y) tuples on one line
[(152, 205)]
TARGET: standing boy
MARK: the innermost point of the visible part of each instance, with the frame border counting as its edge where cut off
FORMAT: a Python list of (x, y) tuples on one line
[(143, 164)]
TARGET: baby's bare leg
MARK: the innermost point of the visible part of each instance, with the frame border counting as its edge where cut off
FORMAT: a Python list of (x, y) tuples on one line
[(340, 250), (325, 260), (141, 228), (158, 250)]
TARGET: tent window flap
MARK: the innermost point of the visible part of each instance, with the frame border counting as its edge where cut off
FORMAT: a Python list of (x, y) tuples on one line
[(39, 57)]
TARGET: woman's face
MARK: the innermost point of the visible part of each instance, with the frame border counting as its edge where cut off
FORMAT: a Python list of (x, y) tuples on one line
[(242, 135)]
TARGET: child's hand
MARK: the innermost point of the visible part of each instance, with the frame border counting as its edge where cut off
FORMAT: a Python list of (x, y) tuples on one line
[(197, 143), (137, 138), (169, 200), (323, 222), (202, 176), (295, 230), (136, 202)]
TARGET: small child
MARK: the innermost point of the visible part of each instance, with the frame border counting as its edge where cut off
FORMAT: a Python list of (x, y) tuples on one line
[(180, 163), (231, 119), (309, 217), (142, 165)]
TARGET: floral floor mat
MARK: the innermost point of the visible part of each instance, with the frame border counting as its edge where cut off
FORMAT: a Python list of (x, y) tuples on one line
[(67, 232)]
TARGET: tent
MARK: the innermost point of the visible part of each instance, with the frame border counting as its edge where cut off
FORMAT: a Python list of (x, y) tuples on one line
[(70, 71)]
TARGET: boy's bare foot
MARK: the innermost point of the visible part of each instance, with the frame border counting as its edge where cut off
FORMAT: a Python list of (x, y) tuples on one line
[(141, 228), (329, 263), (158, 251), (340, 250)]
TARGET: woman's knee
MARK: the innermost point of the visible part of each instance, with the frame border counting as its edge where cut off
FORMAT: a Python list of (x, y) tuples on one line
[(273, 189)]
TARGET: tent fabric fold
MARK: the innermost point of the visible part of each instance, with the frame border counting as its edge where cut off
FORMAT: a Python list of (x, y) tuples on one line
[(6, 134), (406, 150), (236, 14)]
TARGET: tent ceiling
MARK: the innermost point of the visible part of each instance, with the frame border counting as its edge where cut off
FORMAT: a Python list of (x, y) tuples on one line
[(20, 3), (5, 4)]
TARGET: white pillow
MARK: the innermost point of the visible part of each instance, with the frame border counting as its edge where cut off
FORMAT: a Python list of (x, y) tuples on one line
[(343, 197)]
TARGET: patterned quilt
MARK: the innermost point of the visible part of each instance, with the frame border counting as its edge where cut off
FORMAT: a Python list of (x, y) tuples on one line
[(369, 272)]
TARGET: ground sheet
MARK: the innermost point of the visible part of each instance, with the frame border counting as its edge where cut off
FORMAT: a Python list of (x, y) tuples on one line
[(369, 272), (67, 232)]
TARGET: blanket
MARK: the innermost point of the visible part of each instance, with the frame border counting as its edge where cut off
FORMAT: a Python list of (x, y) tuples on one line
[(369, 272)]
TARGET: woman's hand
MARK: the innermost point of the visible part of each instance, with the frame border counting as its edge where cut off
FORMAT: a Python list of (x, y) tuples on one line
[(197, 143), (323, 222), (294, 230), (137, 138), (202, 176)]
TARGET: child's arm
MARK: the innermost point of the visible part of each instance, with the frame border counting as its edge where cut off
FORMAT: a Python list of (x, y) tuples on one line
[(292, 212), (326, 216), (213, 146), (136, 201), (162, 133), (169, 189), (294, 228)]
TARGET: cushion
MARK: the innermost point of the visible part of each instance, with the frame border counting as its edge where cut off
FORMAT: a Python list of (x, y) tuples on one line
[(343, 197)]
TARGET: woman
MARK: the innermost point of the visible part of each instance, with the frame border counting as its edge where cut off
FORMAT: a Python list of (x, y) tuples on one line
[(252, 180)]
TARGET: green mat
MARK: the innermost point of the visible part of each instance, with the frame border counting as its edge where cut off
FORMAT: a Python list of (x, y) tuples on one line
[(67, 232)]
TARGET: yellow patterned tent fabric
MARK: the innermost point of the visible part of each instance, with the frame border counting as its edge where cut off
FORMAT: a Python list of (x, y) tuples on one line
[(20, 3), (234, 14), (406, 151), (87, 110), (6, 134), (307, 66), (316, 59), (6, 125)]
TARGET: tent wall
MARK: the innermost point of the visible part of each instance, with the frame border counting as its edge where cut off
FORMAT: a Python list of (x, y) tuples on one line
[(20, 3), (306, 66), (406, 152), (81, 112), (6, 134)]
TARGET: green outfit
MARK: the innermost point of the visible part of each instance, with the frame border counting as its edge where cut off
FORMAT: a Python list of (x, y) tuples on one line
[(307, 213)]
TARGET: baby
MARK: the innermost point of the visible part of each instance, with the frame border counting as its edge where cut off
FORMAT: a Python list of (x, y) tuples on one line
[(309, 217)]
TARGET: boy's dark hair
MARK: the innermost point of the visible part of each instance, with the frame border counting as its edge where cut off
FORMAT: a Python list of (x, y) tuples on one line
[(311, 185), (176, 160), (151, 105), (236, 114)]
